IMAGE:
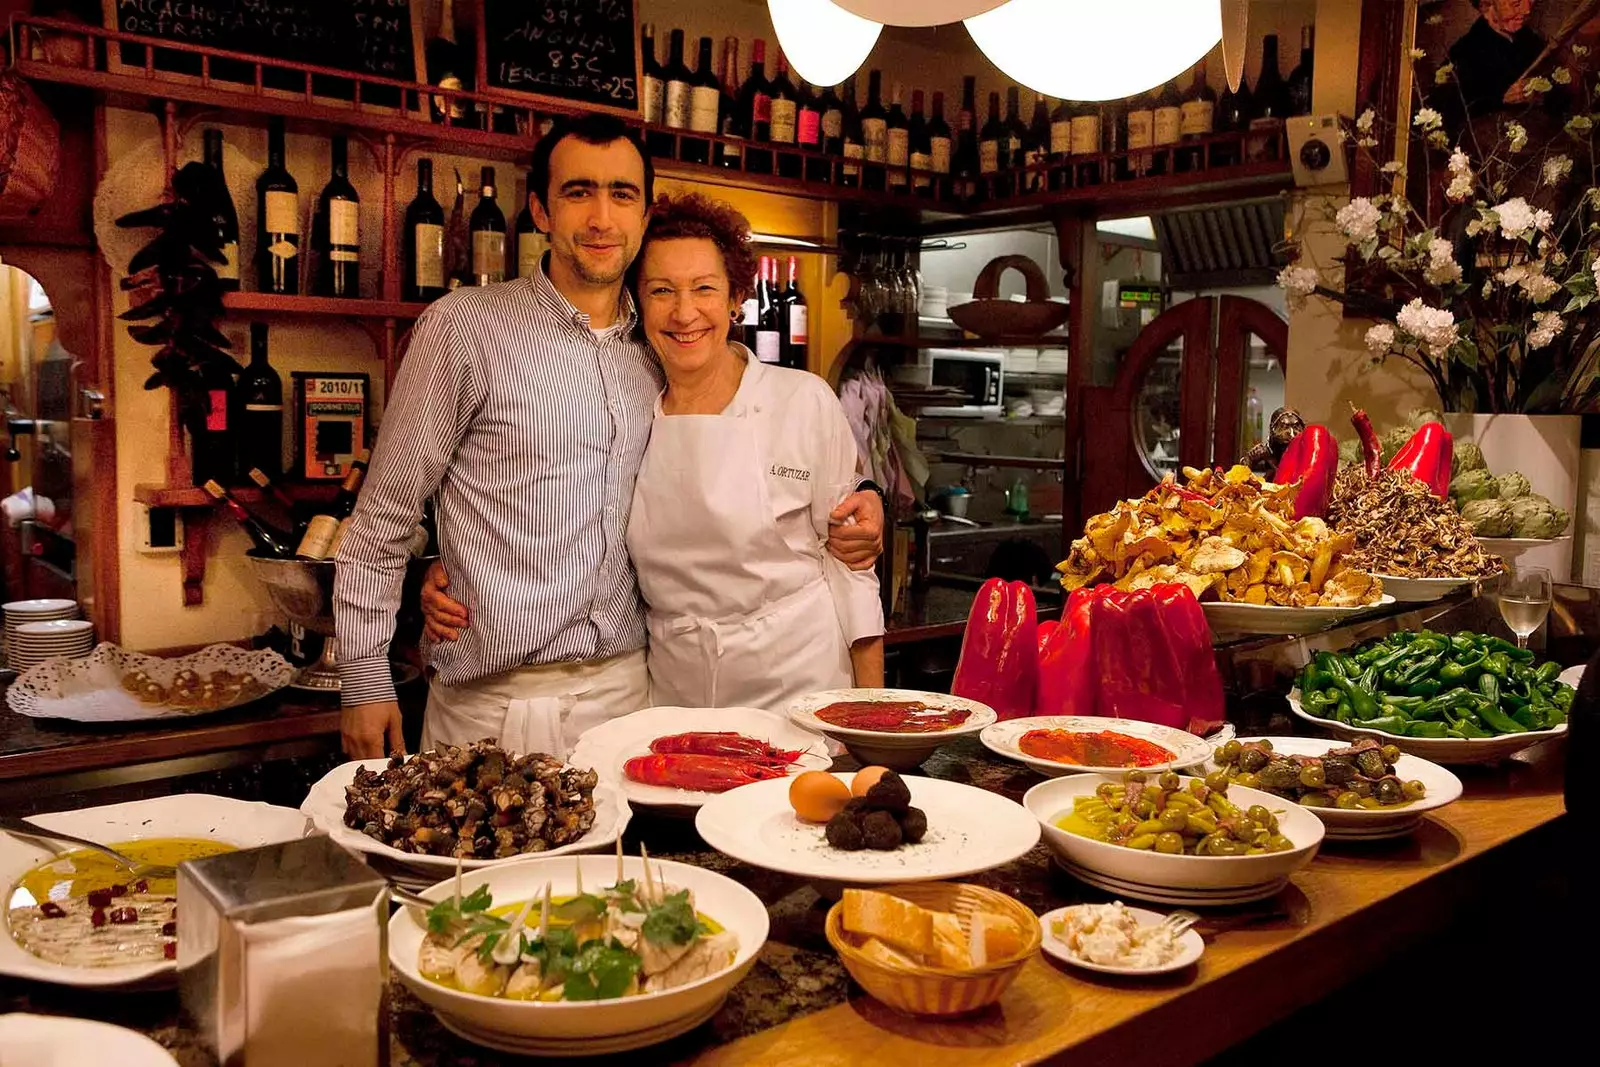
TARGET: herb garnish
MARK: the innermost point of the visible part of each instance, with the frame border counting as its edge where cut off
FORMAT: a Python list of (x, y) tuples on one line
[(673, 921), (445, 914)]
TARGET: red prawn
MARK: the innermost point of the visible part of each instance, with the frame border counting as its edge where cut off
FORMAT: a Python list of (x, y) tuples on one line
[(705, 774), (725, 743)]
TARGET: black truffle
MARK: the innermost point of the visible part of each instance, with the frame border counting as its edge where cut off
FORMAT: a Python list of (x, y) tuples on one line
[(844, 832), (880, 831), (913, 825), (889, 793)]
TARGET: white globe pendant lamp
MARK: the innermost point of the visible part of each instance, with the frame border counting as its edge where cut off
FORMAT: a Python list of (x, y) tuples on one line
[(918, 12), (825, 43), (1096, 49)]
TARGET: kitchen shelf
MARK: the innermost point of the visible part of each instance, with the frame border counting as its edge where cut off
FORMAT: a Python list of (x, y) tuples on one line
[(906, 341), (192, 496), (974, 459), (343, 307)]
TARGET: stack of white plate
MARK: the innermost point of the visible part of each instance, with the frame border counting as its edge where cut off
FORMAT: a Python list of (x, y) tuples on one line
[(35, 642), (18, 612)]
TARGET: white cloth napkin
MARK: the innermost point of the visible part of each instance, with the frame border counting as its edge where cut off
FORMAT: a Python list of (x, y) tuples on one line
[(538, 724)]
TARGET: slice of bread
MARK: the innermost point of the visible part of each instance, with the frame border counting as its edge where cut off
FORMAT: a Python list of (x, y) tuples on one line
[(896, 922), (951, 946), (878, 952), (993, 937)]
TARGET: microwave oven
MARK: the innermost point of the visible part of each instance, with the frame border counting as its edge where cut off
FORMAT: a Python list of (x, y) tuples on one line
[(979, 375)]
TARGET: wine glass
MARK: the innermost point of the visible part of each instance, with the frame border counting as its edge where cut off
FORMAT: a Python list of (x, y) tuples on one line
[(1524, 600)]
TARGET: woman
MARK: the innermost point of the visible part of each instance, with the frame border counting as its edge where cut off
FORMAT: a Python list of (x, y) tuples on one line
[(730, 510)]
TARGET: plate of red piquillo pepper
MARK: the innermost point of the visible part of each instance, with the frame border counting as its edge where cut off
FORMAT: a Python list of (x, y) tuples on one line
[(898, 728), (1083, 744)]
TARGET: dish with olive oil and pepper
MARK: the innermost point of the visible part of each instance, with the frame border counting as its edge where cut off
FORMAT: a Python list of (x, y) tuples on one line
[(1174, 817)]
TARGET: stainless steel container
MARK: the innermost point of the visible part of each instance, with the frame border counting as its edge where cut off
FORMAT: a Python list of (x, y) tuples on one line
[(283, 956)]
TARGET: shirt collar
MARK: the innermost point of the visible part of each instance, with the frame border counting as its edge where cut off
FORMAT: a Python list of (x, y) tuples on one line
[(744, 400), (550, 300)]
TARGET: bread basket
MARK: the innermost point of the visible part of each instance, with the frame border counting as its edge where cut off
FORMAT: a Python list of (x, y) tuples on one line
[(989, 316), (935, 990)]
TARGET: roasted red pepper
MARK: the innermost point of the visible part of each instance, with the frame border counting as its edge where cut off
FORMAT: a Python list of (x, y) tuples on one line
[(1312, 459), (999, 664), (1046, 628), (1067, 682), (1428, 456), (1139, 676), (1371, 447), (1189, 634)]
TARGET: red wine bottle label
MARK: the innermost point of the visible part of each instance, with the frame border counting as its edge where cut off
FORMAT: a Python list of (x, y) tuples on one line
[(941, 155), (489, 256), (768, 346), (833, 124), (810, 128), (703, 101), (344, 223), (1169, 125), (1086, 135), (797, 324), (677, 109), (651, 99), (429, 265), (217, 417), (1061, 137), (283, 213), (1199, 117), (762, 109), (852, 150), (783, 113), (875, 132)]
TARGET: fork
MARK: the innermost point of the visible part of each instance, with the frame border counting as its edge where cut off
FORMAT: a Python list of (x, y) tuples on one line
[(23, 828), (1177, 924)]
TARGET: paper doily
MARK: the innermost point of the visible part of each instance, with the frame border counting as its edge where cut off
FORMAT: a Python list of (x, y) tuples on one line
[(90, 689)]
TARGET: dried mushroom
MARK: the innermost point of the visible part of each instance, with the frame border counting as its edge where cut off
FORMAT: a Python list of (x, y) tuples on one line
[(1227, 536), (1401, 528)]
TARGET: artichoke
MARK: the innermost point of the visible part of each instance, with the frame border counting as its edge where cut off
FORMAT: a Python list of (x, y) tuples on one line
[(1467, 457), (1474, 485), (1534, 516), (1417, 416), (1514, 485), (1393, 441), (1488, 518)]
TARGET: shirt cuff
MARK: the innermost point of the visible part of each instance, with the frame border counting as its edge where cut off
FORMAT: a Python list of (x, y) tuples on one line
[(856, 600), (365, 681)]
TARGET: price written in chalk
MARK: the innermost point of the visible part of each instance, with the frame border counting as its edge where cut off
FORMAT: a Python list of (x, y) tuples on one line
[(579, 50)]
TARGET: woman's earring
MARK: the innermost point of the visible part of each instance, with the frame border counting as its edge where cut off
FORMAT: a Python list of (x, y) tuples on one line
[(735, 314)]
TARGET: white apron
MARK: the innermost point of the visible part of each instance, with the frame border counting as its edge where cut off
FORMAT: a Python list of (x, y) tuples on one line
[(737, 618)]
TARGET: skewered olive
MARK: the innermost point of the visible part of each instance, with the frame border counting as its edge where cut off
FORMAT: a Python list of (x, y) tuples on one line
[(1390, 754), (1249, 781), (1390, 791), (1175, 817), (1135, 776), (1229, 752), (1260, 813), (1170, 843), (1105, 791), (1312, 776), (1348, 800), (1169, 781), (1253, 759), (1414, 790), (1217, 781)]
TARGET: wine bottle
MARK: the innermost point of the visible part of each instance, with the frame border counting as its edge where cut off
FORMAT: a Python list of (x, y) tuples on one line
[(755, 109), (531, 244), (831, 121), (796, 332), (875, 132), (750, 313), (994, 147), (965, 161), (1141, 126), (853, 140), (424, 275), (679, 85), (1086, 143), (1272, 105), (769, 325), (457, 242), (268, 542), (1168, 124), (1061, 144), (213, 442), (897, 141), (1036, 145), (1299, 82), (1016, 141), (784, 107), (325, 531), (652, 87), (1199, 119), (488, 229), (277, 221), (224, 217), (921, 148), (340, 208), (1233, 116), (731, 121), (259, 396), (808, 127), (939, 141), (705, 100), (274, 490), (448, 68)]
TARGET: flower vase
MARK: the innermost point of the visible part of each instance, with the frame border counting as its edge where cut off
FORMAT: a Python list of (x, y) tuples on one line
[(1544, 448)]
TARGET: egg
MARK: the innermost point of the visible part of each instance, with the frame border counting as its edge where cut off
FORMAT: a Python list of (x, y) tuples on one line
[(865, 779), (817, 796)]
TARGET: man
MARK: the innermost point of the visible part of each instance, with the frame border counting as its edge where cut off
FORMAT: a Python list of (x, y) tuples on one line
[(523, 409)]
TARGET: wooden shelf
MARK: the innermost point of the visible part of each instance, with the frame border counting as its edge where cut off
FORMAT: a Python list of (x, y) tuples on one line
[(276, 304), (192, 496), (1049, 341), (975, 459)]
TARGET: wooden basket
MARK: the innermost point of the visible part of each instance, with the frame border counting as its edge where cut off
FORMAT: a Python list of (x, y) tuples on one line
[(988, 316), (30, 148), (937, 990)]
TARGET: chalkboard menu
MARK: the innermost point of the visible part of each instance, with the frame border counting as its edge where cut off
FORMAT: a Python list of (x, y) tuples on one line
[(375, 37), (578, 51)]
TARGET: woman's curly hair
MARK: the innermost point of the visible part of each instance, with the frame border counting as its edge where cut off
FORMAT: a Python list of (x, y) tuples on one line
[(697, 215)]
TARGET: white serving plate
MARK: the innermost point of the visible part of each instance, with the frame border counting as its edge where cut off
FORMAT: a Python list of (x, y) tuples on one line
[(901, 751), (1190, 947), (1423, 590), (1450, 751), (969, 830), (607, 746), (61, 1041), (596, 1026), (90, 689), (1371, 823), (1139, 868), (325, 804), (201, 815), (1003, 738), (1273, 619), (1188, 898)]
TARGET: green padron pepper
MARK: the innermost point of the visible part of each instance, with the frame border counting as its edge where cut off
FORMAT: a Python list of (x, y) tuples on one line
[(1427, 729), (1497, 720), (1390, 724), (1463, 669), (1547, 672), (1468, 729)]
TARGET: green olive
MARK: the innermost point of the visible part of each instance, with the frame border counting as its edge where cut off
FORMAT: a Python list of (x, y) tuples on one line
[(1265, 743), (1170, 843), (1247, 780), (1414, 790), (1349, 800), (1104, 791), (1145, 808), (1169, 781), (1135, 776), (1253, 759), (1279, 843), (1312, 776), (1244, 828), (1360, 787), (1390, 791), (1142, 841), (1197, 789), (1217, 781), (1175, 817), (1390, 754), (1259, 813), (1229, 752)]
